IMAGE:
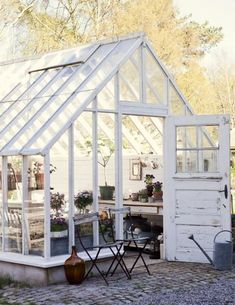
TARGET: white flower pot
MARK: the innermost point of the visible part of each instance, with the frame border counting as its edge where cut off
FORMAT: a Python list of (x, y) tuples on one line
[(59, 234)]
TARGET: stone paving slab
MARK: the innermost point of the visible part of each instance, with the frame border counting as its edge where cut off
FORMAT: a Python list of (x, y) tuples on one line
[(165, 277)]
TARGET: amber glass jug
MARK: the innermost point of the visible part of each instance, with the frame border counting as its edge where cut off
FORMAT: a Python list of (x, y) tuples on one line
[(74, 268)]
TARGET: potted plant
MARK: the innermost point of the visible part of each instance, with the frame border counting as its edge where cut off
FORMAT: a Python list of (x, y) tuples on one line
[(149, 184), (105, 151), (38, 172), (82, 200), (157, 190), (143, 195), (59, 227)]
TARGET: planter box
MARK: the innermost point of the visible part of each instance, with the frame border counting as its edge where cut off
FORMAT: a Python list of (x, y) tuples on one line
[(59, 245)]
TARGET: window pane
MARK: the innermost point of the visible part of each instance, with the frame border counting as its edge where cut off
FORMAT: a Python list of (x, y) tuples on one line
[(156, 81), (187, 162), (129, 81), (209, 136), (186, 137), (34, 207), (13, 219), (209, 160), (177, 106), (105, 99)]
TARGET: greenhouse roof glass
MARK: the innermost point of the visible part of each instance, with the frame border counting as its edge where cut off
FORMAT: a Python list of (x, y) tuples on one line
[(38, 108)]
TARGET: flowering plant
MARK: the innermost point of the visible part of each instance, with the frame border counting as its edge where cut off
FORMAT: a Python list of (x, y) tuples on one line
[(83, 199), (57, 201), (157, 186), (58, 224), (37, 168), (149, 179)]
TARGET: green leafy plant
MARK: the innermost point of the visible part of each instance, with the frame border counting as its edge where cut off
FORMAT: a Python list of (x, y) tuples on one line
[(83, 199), (57, 201), (157, 186), (58, 224)]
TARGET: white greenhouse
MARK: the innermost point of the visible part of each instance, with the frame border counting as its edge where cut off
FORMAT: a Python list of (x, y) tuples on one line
[(96, 117)]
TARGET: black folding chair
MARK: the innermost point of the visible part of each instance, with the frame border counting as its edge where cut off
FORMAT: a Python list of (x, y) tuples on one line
[(114, 247), (129, 235)]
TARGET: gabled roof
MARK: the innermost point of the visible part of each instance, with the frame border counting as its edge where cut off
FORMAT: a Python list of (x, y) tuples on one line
[(58, 87)]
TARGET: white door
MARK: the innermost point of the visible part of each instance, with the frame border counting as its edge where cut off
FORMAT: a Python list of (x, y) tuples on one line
[(196, 184)]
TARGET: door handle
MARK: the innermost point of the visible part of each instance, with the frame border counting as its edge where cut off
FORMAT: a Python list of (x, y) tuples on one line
[(225, 191)]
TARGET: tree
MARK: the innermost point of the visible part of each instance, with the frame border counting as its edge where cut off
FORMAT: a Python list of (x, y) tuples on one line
[(222, 77), (46, 25), (62, 23)]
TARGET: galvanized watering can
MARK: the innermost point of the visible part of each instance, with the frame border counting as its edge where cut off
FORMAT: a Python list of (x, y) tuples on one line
[(222, 254)]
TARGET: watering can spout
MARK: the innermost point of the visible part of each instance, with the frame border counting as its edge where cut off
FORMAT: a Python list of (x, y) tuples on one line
[(200, 247)]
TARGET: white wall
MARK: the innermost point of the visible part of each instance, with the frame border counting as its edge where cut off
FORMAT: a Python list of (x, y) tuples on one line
[(84, 174)]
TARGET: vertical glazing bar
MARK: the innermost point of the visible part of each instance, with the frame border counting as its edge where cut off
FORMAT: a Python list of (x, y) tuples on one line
[(200, 167), (4, 200), (71, 184), (95, 166), (25, 207), (142, 69), (47, 229), (118, 157)]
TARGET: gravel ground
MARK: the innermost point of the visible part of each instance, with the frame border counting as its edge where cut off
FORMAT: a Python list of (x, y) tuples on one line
[(221, 292)]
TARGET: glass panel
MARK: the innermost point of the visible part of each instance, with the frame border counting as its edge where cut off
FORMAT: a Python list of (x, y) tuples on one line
[(156, 81), (83, 174), (152, 95), (129, 82), (126, 94), (105, 99), (209, 160), (180, 161), (13, 219), (209, 136), (1, 205), (142, 155), (83, 156), (111, 61), (188, 111), (62, 57), (106, 156), (177, 106), (30, 108), (34, 207), (52, 103), (59, 200), (16, 95), (187, 161), (186, 137), (200, 145)]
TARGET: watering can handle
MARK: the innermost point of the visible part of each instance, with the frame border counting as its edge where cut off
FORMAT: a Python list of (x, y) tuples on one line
[(222, 232)]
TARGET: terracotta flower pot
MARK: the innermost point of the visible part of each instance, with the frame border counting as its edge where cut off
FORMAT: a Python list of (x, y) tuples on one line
[(158, 195)]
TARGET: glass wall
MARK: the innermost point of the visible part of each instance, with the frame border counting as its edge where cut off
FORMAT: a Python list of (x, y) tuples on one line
[(1, 205), (13, 206), (34, 206), (59, 204)]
